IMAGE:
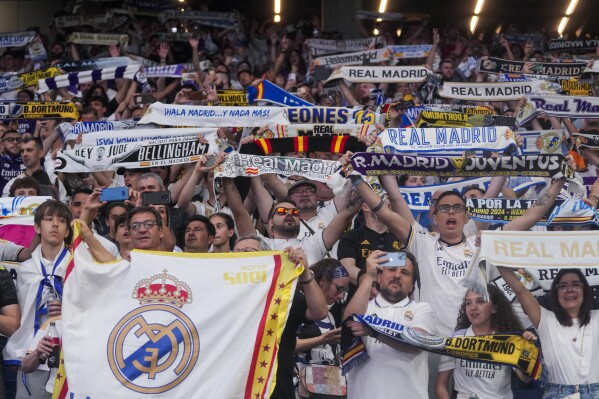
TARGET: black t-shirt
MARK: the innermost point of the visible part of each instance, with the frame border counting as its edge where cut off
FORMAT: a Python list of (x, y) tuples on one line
[(8, 293), (286, 357)]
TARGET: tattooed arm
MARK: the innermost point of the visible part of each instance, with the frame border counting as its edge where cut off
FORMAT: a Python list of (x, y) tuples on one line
[(538, 210)]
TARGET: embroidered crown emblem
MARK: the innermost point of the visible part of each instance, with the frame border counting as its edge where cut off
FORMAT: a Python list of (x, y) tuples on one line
[(162, 289)]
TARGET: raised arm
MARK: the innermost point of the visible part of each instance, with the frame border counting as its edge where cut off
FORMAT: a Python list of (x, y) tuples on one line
[(398, 202), (243, 220), (332, 233), (317, 305), (538, 210), (527, 300)]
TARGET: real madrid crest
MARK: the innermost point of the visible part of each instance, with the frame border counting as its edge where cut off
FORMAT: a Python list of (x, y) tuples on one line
[(408, 315), (153, 348)]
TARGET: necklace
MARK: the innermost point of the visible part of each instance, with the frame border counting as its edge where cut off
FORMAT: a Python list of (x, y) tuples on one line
[(575, 337)]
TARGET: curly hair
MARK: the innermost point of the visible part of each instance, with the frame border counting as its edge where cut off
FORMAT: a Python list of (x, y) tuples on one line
[(503, 320)]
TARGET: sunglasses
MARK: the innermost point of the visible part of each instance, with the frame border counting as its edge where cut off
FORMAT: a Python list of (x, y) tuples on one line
[(282, 211)]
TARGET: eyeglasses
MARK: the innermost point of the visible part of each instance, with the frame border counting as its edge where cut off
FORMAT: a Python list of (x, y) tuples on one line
[(11, 140), (575, 286), (340, 288), (306, 191), (457, 208), (282, 211), (148, 224)]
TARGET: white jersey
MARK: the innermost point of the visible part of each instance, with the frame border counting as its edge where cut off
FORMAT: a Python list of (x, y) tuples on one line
[(478, 379), (319, 222), (442, 267), (388, 372), (313, 246)]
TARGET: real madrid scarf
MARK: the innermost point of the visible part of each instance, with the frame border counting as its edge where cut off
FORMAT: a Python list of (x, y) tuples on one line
[(502, 210), (27, 79), (269, 92), (19, 210), (542, 142), (38, 110), (16, 39), (499, 65), (431, 140), (436, 118), (224, 20), (559, 106), (411, 51), (358, 58), (586, 140), (75, 78), (418, 198), (378, 74), (572, 45), (247, 165), (502, 91), (144, 154), (100, 39), (505, 349), (332, 144), (376, 164), (319, 47), (169, 71), (69, 21), (279, 131), (137, 135), (98, 63)]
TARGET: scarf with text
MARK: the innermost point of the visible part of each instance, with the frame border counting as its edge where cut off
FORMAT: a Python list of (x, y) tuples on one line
[(38, 110), (98, 63), (16, 39), (223, 20), (565, 85), (279, 131), (232, 98), (377, 74), (438, 119), (412, 51), (175, 36), (69, 21), (505, 349), (332, 144), (410, 115), (269, 92), (542, 142), (137, 135), (357, 58), (558, 106), (573, 45), (75, 78), (26, 79), (101, 39), (432, 140), (169, 71), (320, 47), (143, 154), (374, 164), (499, 65), (501, 91)]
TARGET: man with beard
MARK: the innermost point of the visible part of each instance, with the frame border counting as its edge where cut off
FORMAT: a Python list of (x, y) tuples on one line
[(391, 366), (12, 164), (199, 234)]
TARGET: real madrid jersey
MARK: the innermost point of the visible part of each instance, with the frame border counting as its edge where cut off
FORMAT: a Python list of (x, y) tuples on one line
[(442, 268)]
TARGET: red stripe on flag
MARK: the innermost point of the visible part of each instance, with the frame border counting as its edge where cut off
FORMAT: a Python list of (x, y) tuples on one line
[(76, 241), (260, 334)]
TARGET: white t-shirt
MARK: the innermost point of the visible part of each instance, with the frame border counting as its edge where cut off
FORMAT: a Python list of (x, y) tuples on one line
[(388, 372), (313, 246), (442, 267), (319, 222), (570, 361), (9, 250), (485, 380)]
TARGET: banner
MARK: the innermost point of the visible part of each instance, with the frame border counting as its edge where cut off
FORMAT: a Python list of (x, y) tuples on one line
[(26, 79), (377, 74), (563, 249), (144, 154), (74, 78), (16, 39), (187, 115), (559, 106), (502, 210), (137, 135), (502, 91), (175, 36), (499, 65), (418, 198), (98, 63), (69, 21), (269, 92), (236, 164), (19, 210), (169, 71), (320, 47), (232, 98), (358, 58), (332, 144), (573, 45), (38, 110), (100, 39), (429, 140), (224, 20), (159, 338), (280, 131), (410, 51), (440, 119), (373, 164), (572, 87), (507, 349)]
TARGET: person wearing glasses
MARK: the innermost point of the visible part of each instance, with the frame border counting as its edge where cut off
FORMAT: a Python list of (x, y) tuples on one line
[(145, 227), (445, 254), (12, 165), (319, 342), (569, 332)]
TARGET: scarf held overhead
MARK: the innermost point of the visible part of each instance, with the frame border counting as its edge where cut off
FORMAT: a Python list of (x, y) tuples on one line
[(502, 91), (376, 74), (38, 110), (75, 78)]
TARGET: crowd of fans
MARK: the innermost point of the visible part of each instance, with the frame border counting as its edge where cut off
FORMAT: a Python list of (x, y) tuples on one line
[(343, 237)]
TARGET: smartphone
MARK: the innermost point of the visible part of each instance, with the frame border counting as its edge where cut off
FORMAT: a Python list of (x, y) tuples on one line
[(395, 259), (114, 194), (291, 76), (197, 95), (156, 198), (143, 99)]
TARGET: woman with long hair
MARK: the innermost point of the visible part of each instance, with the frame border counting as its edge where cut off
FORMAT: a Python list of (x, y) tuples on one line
[(474, 379), (225, 237), (569, 333)]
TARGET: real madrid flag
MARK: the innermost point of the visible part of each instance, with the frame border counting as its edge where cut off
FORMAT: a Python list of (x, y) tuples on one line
[(175, 325)]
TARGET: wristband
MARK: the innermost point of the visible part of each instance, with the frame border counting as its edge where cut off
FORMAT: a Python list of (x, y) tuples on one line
[(309, 280), (379, 206)]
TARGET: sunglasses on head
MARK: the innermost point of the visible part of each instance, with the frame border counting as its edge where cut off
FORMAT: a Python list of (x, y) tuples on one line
[(281, 210)]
